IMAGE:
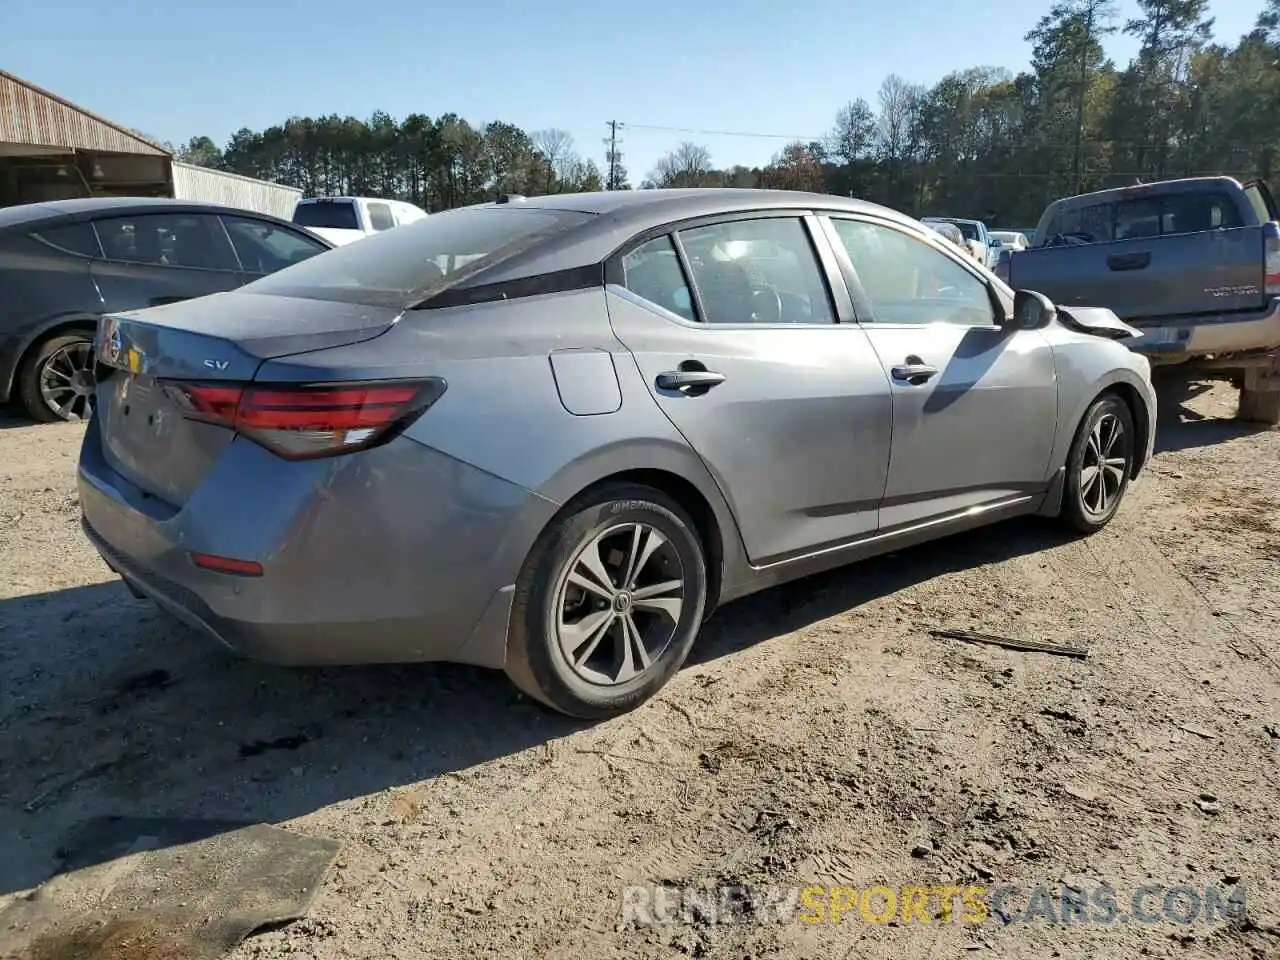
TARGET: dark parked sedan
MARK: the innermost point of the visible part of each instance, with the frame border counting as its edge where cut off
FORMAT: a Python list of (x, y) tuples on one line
[(65, 263)]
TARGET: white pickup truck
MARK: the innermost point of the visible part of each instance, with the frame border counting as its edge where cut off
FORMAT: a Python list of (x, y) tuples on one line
[(340, 220)]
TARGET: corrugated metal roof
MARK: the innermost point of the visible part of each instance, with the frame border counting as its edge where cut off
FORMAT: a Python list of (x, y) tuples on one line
[(32, 115)]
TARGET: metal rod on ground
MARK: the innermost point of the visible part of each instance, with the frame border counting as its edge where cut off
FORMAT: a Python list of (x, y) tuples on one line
[(1028, 646)]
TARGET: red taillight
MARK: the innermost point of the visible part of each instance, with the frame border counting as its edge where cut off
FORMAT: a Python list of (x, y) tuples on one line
[(242, 568), (301, 422), (1271, 242)]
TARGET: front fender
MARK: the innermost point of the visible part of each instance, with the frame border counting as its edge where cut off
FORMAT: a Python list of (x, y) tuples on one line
[(1077, 394)]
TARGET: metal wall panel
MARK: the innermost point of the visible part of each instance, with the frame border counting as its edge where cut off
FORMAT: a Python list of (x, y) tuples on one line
[(215, 186)]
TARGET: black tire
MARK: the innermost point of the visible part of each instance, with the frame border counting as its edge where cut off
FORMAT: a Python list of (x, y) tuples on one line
[(30, 372), (535, 660), (1081, 501)]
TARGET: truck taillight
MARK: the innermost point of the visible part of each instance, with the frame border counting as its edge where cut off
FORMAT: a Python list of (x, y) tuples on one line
[(301, 422), (1271, 254)]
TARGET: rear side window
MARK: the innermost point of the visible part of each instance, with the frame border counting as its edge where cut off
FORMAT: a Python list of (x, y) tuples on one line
[(402, 267), (652, 271), (77, 238), (167, 240), (327, 214), (380, 217)]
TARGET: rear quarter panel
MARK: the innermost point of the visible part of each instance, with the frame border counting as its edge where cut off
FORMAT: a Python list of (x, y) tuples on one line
[(503, 411)]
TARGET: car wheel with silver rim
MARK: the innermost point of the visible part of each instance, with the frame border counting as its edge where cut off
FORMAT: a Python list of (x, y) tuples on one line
[(609, 603), (1099, 465), (57, 380)]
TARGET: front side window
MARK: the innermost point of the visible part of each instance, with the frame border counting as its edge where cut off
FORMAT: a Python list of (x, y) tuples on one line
[(265, 247), (908, 281), (380, 217), (652, 271), (757, 271), (405, 266), (167, 240)]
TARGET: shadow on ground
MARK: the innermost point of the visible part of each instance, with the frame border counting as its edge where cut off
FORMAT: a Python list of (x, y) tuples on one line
[(113, 710), (1181, 426)]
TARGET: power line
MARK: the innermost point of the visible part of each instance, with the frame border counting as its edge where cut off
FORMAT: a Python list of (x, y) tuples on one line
[(720, 133)]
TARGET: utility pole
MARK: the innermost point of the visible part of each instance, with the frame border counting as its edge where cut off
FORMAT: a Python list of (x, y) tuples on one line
[(613, 157)]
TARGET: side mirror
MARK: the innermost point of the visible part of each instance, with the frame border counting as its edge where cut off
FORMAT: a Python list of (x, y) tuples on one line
[(1032, 310)]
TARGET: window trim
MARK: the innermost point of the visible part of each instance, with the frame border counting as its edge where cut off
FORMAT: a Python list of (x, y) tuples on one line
[(1001, 306), (39, 231), (832, 281), (221, 230)]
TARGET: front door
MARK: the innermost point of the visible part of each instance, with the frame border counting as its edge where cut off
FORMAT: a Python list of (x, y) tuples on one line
[(789, 411), (974, 405), (152, 259)]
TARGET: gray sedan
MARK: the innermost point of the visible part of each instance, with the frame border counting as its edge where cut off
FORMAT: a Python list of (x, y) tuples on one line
[(551, 435)]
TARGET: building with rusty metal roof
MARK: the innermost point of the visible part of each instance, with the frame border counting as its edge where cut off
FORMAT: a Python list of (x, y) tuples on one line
[(52, 149)]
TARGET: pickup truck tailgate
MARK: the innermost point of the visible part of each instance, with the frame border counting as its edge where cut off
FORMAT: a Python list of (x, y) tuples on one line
[(1212, 272)]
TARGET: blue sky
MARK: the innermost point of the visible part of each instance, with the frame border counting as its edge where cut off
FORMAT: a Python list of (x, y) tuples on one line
[(178, 68)]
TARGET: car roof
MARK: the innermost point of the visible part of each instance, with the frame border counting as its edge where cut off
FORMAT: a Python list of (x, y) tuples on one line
[(84, 208), (615, 217), (1159, 187)]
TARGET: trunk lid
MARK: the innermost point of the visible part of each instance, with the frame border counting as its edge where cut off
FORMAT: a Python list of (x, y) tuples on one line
[(224, 337)]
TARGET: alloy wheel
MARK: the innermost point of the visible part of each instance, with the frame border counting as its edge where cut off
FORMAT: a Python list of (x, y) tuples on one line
[(1104, 466), (67, 381), (619, 603)]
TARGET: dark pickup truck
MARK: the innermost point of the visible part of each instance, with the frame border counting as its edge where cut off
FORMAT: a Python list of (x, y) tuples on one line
[(1194, 264)]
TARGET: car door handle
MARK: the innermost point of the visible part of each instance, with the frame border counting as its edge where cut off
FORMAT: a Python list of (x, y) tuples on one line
[(1129, 261), (914, 373), (684, 379)]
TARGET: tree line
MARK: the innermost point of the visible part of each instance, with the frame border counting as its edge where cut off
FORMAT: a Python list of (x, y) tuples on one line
[(982, 142)]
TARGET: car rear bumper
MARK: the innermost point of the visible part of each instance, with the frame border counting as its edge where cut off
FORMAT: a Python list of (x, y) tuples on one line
[(396, 554), (1190, 337)]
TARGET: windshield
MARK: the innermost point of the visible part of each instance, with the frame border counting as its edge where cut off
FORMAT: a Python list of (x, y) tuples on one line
[(401, 267), (328, 214)]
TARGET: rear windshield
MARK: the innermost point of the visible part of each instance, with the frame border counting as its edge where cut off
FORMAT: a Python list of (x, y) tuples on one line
[(968, 230), (401, 267), (331, 215)]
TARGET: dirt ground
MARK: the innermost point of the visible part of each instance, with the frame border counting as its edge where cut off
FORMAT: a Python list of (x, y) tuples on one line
[(820, 736)]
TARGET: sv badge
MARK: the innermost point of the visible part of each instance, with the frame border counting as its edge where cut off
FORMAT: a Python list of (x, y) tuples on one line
[(217, 364)]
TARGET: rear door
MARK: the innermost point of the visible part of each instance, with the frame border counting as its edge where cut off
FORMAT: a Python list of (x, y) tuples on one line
[(974, 405), (154, 259), (788, 409)]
